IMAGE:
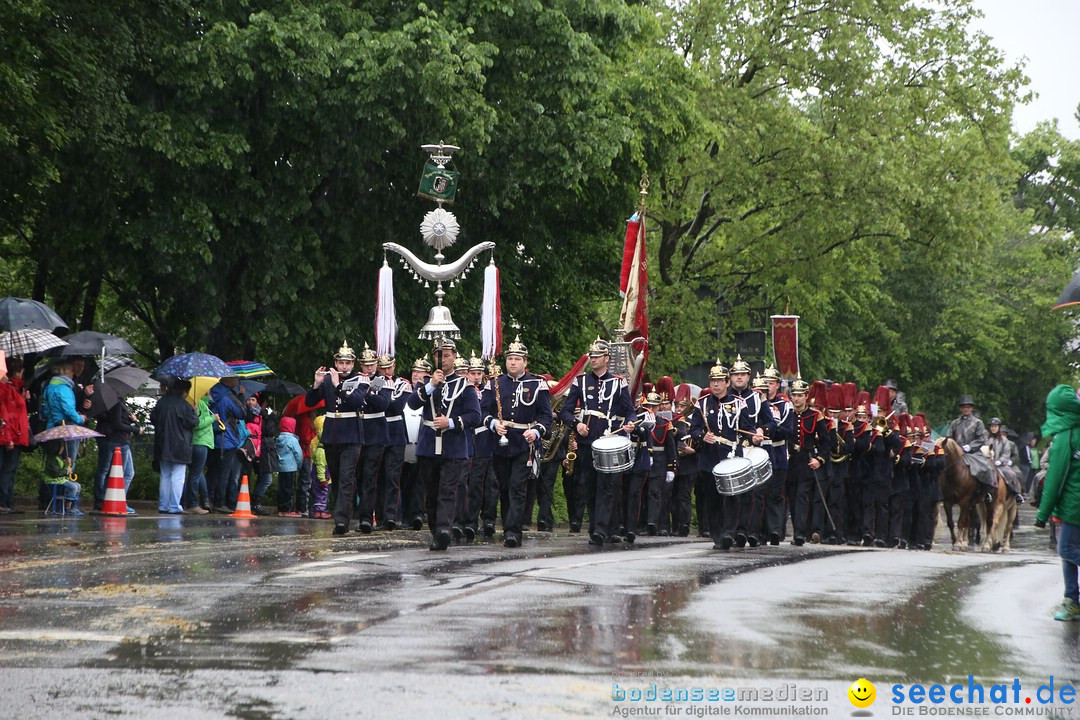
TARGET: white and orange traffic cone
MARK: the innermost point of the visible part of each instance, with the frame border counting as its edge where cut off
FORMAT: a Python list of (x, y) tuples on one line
[(115, 495), (243, 502)]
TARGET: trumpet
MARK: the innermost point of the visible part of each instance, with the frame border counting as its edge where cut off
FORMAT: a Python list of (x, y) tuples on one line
[(881, 424)]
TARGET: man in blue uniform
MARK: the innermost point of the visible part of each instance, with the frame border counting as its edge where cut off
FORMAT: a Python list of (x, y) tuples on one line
[(519, 409), (375, 439), (756, 423), (481, 498), (603, 401), (716, 426), (345, 393), (450, 413), (388, 495), (782, 436)]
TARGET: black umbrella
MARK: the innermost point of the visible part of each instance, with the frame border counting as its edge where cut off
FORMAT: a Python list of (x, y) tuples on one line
[(19, 313), (1071, 294), (277, 386), (88, 342), (117, 384)]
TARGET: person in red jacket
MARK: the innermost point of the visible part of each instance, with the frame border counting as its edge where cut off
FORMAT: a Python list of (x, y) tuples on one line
[(14, 430)]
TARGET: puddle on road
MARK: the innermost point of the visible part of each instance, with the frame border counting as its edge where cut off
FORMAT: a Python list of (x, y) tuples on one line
[(923, 638)]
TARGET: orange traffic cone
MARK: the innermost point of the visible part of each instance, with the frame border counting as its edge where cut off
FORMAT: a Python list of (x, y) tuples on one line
[(243, 502), (115, 495)]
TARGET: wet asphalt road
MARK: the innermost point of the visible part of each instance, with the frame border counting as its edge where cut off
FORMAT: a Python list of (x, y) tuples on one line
[(205, 617)]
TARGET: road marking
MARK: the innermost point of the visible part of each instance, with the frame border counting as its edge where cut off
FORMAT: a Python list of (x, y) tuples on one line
[(64, 636), (327, 568)]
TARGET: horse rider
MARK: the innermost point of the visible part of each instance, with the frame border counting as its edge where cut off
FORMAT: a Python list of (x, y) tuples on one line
[(897, 399), (1005, 456), (969, 433)]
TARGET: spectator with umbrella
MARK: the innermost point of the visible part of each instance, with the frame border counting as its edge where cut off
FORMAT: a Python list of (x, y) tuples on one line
[(196, 492), (227, 403), (14, 428), (174, 421)]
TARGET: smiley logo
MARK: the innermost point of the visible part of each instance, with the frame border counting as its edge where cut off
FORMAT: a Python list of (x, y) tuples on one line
[(862, 693)]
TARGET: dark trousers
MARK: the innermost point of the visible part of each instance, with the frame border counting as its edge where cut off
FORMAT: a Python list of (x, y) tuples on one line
[(574, 492), (370, 461), (829, 497), (853, 503), (545, 493), (9, 463), (775, 518), (680, 503), (413, 495), (442, 480), (286, 491), (342, 461), (655, 507), (599, 492), (715, 506), (633, 485), (898, 501), (388, 490), (479, 493), (803, 481), (929, 511), (704, 484), (227, 478), (876, 503), (195, 487), (513, 474)]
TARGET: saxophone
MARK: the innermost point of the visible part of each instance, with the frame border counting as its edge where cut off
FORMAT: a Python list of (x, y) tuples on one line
[(571, 454)]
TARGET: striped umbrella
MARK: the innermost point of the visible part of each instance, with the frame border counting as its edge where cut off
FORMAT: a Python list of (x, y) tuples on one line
[(250, 369), (25, 342)]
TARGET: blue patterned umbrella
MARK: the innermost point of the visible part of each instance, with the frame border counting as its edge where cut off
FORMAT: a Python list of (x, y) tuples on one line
[(194, 364)]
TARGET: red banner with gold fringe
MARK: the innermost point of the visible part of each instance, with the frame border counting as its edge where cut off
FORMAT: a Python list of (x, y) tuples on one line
[(785, 337)]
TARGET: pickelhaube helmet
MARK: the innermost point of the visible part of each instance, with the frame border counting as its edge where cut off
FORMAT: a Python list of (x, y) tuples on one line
[(760, 383), (651, 399), (422, 365), (771, 373), (517, 348), (345, 352), (718, 371), (460, 364), (446, 342), (599, 348), (799, 386), (475, 363), (740, 366), (386, 361), (367, 357)]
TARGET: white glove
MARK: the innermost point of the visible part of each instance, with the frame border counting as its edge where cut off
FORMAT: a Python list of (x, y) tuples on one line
[(998, 463), (1008, 463), (669, 477), (966, 448), (378, 383)]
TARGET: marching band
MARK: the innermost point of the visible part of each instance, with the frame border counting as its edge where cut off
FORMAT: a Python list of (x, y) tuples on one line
[(464, 445)]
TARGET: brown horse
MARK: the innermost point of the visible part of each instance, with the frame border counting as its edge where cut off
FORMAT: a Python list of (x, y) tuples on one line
[(959, 487)]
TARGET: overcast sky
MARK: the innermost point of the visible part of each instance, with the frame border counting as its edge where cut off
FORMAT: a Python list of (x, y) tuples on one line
[(1047, 34)]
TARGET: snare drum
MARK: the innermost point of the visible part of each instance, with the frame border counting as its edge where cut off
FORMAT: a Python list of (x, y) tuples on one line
[(734, 476), (762, 463), (613, 454)]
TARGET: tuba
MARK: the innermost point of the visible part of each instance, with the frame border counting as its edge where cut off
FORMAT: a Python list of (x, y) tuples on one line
[(559, 430)]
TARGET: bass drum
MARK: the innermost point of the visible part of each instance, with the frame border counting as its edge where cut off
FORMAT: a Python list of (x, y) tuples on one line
[(762, 462), (613, 454), (734, 476)]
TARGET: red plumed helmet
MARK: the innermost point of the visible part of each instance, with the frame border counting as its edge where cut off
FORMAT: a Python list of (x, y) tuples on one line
[(818, 396), (850, 391), (903, 422), (683, 393), (862, 402), (666, 387), (882, 400), (836, 396)]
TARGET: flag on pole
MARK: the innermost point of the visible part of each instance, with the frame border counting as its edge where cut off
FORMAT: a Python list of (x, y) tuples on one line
[(785, 338), (634, 281)]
